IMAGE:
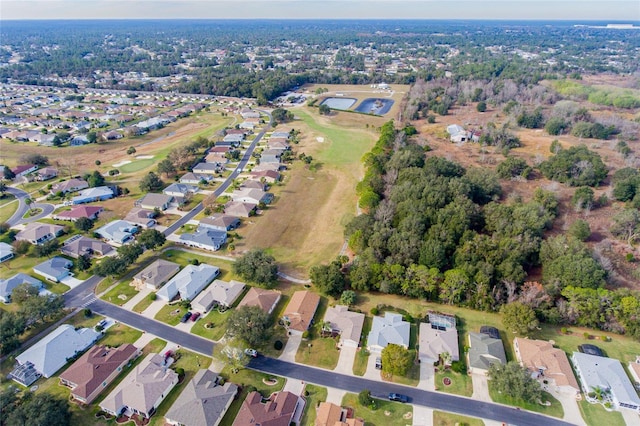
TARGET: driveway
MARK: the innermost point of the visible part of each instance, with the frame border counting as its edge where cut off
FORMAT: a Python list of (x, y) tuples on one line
[(630, 418), (345, 361), (72, 282), (480, 387), (570, 406), (289, 352), (153, 309), (335, 395), (372, 373), (136, 299), (427, 376)]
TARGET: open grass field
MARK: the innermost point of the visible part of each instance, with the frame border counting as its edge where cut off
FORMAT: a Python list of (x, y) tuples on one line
[(314, 395), (440, 418), (387, 413), (183, 258), (136, 165)]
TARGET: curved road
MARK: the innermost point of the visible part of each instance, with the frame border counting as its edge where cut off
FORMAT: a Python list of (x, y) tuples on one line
[(21, 196)]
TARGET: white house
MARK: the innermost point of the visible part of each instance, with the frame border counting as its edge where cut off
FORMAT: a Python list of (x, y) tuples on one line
[(204, 238), (55, 269), (180, 189), (6, 252), (219, 292), (188, 282), (388, 329), (117, 231), (7, 286)]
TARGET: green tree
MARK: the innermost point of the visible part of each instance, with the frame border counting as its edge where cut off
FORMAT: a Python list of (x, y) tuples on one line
[(513, 167), (324, 109), (131, 150), (249, 324), (281, 115), (110, 267), (348, 297), (8, 173), (328, 279), (626, 225), (583, 198), (95, 179), (83, 224), (576, 166), (92, 137), (41, 409), (151, 239), (481, 107), (455, 287), (47, 248), (84, 262), (518, 318), (555, 126), (129, 253), (151, 182), (396, 360), (258, 267), (23, 292), (514, 380), (166, 167), (12, 325), (580, 230)]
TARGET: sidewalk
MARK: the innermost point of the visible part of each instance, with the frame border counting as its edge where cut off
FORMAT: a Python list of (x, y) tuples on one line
[(153, 309)]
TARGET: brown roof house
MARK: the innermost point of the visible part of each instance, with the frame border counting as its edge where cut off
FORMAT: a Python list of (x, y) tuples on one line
[(94, 370), (546, 362), (78, 245), (156, 274), (203, 402), (76, 212), (144, 388), (300, 311), (278, 410), (39, 233), (264, 299), (329, 414)]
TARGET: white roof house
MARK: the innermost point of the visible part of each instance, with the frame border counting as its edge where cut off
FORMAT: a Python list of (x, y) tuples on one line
[(609, 375), (188, 282), (51, 353), (347, 323), (180, 189), (388, 329), (7, 286), (55, 269), (220, 292), (99, 193), (436, 340), (117, 231), (204, 238), (6, 252)]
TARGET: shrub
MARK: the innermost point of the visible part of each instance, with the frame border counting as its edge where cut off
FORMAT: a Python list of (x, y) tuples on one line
[(630, 257), (195, 262), (375, 311), (305, 334), (98, 162), (87, 312), (364, 398), (153, 296), (482, 106), (114, 172), (278, 345)]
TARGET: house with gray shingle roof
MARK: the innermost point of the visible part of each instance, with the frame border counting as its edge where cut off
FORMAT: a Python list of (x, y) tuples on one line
[(204, 238), (153, 201), (117, 231), (202, 402), (55, 269), (388, 329), (484, 351), (347, 323), (156, 274), (39, 233), (188, 282)]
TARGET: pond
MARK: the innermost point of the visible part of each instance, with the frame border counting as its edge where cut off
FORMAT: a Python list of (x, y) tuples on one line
[(339, 103), (375, 106)]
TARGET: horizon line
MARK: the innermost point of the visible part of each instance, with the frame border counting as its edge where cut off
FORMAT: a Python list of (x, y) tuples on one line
[(629, 21)]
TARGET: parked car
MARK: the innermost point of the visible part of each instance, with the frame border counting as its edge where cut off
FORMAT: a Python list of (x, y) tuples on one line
[(378, 363), (185, 317), (251, 352), (195, 316), (398, 397)]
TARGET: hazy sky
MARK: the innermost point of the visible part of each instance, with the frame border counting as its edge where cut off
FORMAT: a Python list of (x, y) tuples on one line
[(622, 10)]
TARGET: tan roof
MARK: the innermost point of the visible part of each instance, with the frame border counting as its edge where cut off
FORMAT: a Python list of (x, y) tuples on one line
[(277, 411), (36, 230), (540, 355), (264, 299), (300, 310), (95, 366), (157, 273), (328, 414), (348, 323)]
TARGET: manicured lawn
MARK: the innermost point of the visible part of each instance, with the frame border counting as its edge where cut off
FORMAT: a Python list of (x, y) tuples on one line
[(322, 353), (186, 228), (136, 165), (360, 363), (56, 288), (118, 334), (217, 323), (441, 418), (23, 263), (596, 415), (555, 409), (8, 207), (460, 383), (120, 294), (143, 304), (184, 258), (154, 346), (314, 395), (171, 314), (397, 411), (80, 320)]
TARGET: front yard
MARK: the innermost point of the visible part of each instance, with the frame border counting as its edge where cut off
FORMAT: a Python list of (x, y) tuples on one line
[(120, 294), (314, 395), (555, 409), (171, 314), (212, 326), (387, 413), (460, 383)]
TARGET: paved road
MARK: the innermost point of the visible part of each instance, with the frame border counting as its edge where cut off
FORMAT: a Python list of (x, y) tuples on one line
[(21, 196), (437, 400), (218, 191)]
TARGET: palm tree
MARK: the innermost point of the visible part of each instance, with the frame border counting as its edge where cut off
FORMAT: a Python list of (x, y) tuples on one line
[(29, 202)]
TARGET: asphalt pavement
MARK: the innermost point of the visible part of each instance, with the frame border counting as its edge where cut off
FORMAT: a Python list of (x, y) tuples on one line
[(21, 196)]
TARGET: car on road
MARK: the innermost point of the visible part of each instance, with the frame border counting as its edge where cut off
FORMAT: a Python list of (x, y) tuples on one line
[(195, 316), (251, 352), (185, 317), (398, 397)]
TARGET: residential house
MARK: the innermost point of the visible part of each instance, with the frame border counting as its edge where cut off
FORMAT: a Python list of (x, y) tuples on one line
[(52, 352), (249, 113), (204, 238), (298, 316), (112, 135), (96, 369), (546, 362), (240, 209), (208, 168), (141, 217), (188, 282), (25, 374), (284, 135), (254, 184), (24, 169), (458, 134), (46, 173), (328, 414), (346, 323), (79, 245), (388, 329), (216, 157), (269, 176), (484, 351), (144, 388), (153, 201), (218, 293), (203, 402), (77, 212), (220, 222), (634, 369), (6, 252), (278, 410), (7, 285), (156, 274), (117, 231), (180, 190), (233, 139), (71, 185), (195, 179), (55, 269), (608, 375), (78, 140), (264, 299), (270, 156), (89, 195), (262, 167), (251, 196), (439, 339), (39, 233)]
